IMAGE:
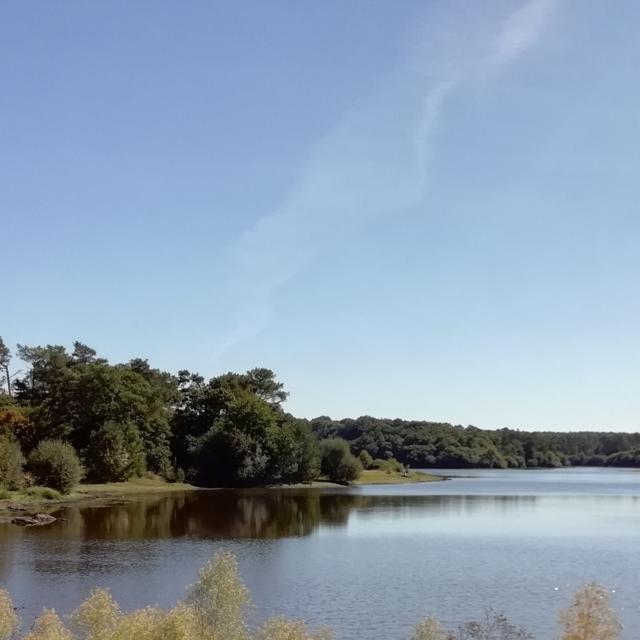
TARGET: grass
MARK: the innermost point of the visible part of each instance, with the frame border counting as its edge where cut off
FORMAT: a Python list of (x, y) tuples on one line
[(30, 496), (381, 476), (41, 496), (135, 485), (41, 493)]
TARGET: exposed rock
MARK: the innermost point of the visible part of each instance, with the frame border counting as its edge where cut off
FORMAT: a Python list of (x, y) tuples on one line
[(16, 506), (37, 520), (44, 518)]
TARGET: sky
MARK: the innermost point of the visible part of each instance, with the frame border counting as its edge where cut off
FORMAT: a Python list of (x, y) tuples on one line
[(424, 210)]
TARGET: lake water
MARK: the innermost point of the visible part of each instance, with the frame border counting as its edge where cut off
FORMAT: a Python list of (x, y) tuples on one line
[(369, 561)]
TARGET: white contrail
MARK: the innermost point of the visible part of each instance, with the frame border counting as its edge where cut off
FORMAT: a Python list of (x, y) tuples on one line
[(374, 162)]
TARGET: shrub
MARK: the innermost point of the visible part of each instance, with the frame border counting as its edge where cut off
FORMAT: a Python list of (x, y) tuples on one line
[(337, 462), (174, 476), (96, 616), (429, 629), (590, 616), (48, 626), (8, 618), (43, 493), (55, 464), (365, 459), (11, 463), (495, 626), (492, 626), (388, 466), (115, 453), (220, 599)]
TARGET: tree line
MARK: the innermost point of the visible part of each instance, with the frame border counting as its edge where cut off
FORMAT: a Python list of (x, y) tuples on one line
[(122, 420), (70, 413), (435, 444)]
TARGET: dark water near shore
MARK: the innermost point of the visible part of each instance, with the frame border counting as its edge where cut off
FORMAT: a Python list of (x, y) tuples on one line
[(367, 561)]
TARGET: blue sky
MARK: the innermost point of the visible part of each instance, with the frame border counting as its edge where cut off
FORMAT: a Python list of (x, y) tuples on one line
[(422, 210)]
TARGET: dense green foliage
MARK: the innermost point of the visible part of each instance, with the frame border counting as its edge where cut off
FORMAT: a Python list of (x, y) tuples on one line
[(125, 419), (365, 459), (431, 444), (11, 463), (54, 464), (337, 462), (115, 453), (217, 605), (231, 430)]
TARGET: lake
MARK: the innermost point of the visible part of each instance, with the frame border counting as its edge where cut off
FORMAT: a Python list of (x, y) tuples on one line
[(367, 561)]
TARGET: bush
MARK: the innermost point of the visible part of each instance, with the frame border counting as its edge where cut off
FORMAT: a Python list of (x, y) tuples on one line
[(388, 466), (115, 453), (8, 618), (338, 464), (590, 616), (174, 476), (11, 463), (429, 629), (365, 459), (491, 626), (44, 493), (55, 464)]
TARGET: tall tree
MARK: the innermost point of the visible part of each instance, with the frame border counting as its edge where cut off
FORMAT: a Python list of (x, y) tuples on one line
[(263, 383), (5, 359)]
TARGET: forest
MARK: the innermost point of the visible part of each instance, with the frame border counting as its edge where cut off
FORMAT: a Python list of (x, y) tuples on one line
[(434, 444), (66, 415)]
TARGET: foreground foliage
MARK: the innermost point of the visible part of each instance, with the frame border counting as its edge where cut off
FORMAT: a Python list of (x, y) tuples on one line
[(590, 616), (216, 607)]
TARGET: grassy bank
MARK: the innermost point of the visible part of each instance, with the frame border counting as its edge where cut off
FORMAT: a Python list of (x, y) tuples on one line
[(40, 497), (136, 485), (367, 477), (382, 476)]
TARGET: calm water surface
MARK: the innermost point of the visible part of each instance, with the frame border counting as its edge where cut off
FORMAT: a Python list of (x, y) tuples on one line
[(368, 561)]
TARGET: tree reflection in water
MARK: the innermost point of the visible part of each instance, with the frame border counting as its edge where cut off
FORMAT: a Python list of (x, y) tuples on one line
[(241, 514)]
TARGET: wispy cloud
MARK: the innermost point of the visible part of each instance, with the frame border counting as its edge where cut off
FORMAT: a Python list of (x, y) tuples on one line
[(522, 29), (375, 162)]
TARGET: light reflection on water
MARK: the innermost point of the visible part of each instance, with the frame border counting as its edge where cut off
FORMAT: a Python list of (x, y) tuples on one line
[(365, 561)]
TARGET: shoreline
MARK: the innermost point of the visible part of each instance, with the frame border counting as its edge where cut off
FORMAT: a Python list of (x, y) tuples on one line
[(368, 478), (21, 503)]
